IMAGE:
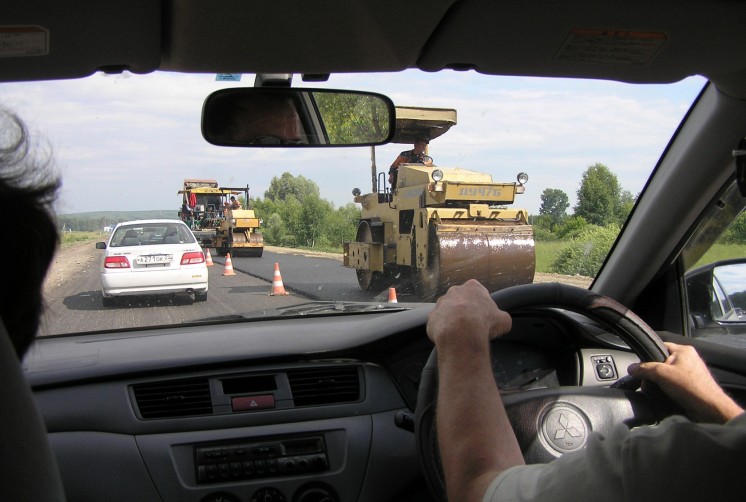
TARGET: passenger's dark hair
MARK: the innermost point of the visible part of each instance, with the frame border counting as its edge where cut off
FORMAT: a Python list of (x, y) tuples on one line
[(28, 188)]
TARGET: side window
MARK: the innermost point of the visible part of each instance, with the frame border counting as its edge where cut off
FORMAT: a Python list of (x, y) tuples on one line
[(715, 277)]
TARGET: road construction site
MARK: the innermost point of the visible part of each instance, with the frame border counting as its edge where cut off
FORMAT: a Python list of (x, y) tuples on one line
[(306, 275)]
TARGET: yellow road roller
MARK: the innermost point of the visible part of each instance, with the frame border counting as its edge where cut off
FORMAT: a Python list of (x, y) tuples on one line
[(439, 226)]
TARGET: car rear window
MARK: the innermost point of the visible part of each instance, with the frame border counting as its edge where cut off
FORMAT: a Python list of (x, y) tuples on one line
[(150, 235)]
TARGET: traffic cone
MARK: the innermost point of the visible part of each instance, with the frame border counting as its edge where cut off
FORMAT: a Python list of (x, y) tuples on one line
[(208, 258), (228, 270), (392, 295), (277, 286)]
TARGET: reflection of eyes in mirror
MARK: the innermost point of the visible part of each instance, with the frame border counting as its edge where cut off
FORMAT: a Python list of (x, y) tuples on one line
[(269, 120), (274, 140)]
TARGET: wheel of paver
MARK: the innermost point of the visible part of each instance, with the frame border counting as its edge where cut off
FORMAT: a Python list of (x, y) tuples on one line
[(368, 279)]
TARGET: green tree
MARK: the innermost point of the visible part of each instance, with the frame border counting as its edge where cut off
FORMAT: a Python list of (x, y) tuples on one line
[(341, 225), (287, 184), (599, 196), (626, 203), (554, 203), (736, 231), (294, 215), (570, 227), (543, 227), (313, 216), (352, 118)]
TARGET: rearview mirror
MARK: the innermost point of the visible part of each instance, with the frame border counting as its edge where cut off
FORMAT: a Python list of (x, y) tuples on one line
[(285, 117)]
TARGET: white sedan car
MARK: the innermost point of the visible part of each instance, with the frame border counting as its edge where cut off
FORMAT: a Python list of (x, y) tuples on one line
[(147, 257)]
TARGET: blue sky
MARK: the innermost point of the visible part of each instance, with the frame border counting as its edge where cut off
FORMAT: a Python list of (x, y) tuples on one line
[(126, 142)]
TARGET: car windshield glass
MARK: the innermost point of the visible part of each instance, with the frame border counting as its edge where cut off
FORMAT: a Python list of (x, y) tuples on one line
[(284, 226)]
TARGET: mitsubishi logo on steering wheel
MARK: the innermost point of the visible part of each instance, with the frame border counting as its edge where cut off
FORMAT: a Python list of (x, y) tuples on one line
[(564, 428)]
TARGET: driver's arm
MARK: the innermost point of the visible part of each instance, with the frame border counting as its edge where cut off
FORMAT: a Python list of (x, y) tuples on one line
[(684, 377), (476, 439)]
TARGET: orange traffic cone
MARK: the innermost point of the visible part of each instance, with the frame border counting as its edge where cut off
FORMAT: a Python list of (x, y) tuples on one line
[(208, 258), (277, 286), (228, 270), (392, 295)]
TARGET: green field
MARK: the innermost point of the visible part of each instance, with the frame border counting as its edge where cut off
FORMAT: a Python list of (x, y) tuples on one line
[(68, 238), (722, 252), (546, 253)]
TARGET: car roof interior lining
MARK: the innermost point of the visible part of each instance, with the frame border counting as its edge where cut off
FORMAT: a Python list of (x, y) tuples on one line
[(85, 36)]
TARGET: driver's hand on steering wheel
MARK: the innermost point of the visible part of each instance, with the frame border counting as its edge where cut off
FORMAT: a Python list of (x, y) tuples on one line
[(466, 315), (684, 377)]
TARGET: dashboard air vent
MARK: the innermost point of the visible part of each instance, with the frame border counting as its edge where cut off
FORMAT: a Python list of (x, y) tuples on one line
[(316, 386), (174, 398)]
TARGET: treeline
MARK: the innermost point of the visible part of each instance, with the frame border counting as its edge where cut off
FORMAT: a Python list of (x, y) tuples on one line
[(590, 231), (96, 221), (294, 215)]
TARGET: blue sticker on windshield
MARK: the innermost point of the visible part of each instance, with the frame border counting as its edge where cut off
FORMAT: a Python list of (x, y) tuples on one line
[(228, 77)]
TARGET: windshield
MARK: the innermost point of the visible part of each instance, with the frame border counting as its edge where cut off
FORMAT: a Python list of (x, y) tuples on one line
[(280, 226)]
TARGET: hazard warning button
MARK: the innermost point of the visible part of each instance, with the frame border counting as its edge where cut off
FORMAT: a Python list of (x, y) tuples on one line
[(252, 403)]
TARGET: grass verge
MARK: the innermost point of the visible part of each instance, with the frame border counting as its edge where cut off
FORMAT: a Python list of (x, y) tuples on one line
[(69, 238)]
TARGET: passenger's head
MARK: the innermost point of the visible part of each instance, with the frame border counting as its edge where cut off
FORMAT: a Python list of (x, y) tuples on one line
[(28, 188)]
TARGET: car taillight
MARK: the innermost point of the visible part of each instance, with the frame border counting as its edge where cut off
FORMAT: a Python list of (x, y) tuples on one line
[(116, 262), (193, 258)]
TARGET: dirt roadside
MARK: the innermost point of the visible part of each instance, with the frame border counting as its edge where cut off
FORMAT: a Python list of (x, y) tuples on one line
[(71, 260), (68, 262)]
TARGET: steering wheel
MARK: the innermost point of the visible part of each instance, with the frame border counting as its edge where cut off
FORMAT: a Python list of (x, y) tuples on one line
[(553, 421)]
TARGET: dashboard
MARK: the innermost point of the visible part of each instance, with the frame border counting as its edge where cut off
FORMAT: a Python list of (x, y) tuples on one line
[(311, 409)]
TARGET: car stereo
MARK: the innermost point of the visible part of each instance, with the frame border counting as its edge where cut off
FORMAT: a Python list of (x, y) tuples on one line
[(259, 458)]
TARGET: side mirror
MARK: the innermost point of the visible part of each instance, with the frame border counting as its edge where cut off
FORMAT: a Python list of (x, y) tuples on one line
[(293, 118), (716, 295), (100, 245)]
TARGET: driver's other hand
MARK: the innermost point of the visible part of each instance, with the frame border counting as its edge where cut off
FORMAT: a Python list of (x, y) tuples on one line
[(684, 377), (466, 314)]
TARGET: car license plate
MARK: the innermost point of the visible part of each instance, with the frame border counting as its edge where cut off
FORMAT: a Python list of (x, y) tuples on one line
[(155, 258)]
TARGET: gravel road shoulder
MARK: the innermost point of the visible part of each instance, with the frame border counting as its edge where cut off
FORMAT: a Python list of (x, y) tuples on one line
[(68, 262)]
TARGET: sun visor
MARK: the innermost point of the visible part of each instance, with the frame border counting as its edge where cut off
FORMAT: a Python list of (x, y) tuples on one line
[(51, 40)]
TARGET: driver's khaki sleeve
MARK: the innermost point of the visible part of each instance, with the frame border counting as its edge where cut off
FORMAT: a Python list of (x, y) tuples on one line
[(675, 460), (569, 478)]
